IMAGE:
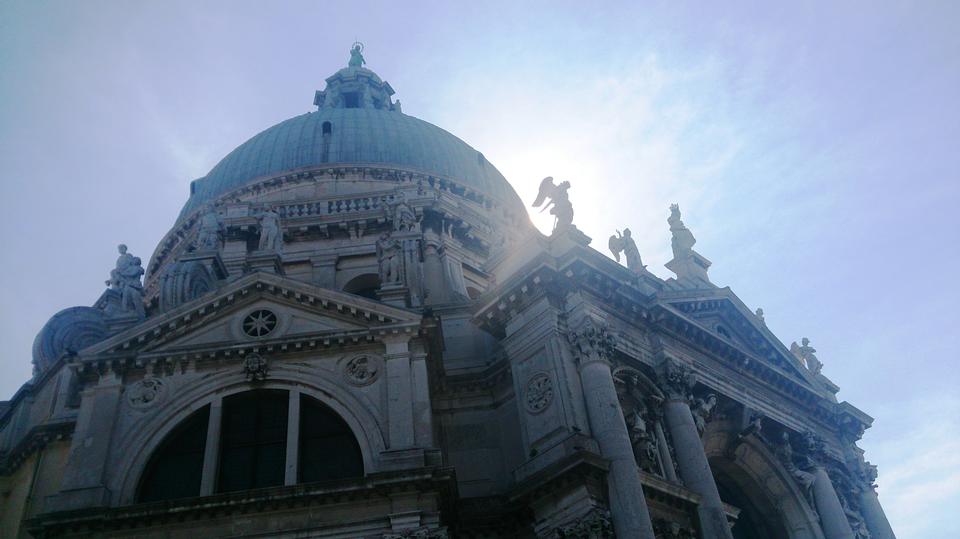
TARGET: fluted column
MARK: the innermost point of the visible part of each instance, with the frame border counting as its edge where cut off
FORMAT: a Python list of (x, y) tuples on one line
[(833, 520), (628, 507), (691, 458)]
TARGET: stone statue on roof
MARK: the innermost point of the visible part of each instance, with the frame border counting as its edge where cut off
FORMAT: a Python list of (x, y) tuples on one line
[(125, 278), (356, 56), (271, 236), (683, 240), (623, 243), (210, 233), (807, 355), (561, 208)]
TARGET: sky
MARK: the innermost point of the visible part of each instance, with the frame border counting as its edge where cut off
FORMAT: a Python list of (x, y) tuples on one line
[(813, 147)]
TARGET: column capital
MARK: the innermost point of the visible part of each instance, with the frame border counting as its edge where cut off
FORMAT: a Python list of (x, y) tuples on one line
[(676, 379), (592, 342)]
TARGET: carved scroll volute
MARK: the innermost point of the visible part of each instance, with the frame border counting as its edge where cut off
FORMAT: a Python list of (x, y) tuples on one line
[(592, 342), (675, 379)]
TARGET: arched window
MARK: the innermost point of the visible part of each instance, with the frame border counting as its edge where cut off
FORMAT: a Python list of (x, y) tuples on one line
[(175, 468), (249, 447), (326, 128), (328, 449), (253, 440)]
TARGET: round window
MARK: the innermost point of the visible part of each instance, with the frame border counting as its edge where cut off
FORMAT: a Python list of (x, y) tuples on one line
[(259, 323)]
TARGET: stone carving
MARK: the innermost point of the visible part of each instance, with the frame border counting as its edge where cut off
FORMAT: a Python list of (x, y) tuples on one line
[(362, 370), (759, 314), (271, 236), (857, 524), (146, 392), (184, 281), (388, 257), (801, 469), (356, 56), (666, 529), (422, 532), (404, 218), (67, 332), (592, 342), (210, 232), (255, 367), (594, 525), (624, 244), (683, 240), (807, 355), (539, 392), (701, 409), (125, 278), (676, 379), (562, 209), (642, 440)]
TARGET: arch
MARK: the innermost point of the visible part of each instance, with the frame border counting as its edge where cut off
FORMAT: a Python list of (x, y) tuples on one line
[(625, 377), (175, 468), (750, 477), (326, 128), (145, 438), (363, 285)]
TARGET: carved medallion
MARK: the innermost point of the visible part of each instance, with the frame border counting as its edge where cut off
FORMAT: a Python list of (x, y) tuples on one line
[(255, 367), (146, 393), (539, 393), (362, 370)]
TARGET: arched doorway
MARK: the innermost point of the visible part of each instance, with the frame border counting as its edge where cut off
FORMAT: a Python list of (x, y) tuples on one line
[(759, 518)]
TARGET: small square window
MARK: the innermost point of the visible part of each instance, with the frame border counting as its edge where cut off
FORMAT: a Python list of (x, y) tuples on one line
[(351, 100)]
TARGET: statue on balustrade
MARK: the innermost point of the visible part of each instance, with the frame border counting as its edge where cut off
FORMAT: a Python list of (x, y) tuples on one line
[(388, 258), (271, 235), (624, 244), (125, 278), (210, 232), (560, 206)]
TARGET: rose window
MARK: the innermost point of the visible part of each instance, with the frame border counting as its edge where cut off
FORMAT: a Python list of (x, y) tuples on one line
[(259, 323)]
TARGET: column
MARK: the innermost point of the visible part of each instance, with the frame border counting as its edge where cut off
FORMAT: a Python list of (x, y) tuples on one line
[(422, 409), (293, 439), (628, 507), (874, 516), (691, 458), (211, 451), (833, 520)]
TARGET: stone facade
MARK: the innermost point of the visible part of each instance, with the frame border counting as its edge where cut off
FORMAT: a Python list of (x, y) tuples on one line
[(408, 357)]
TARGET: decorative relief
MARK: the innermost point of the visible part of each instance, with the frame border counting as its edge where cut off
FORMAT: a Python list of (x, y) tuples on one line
[(362, 370), (146, 393), (255, 367), (594, 525), (592, 342), (676, 379), (672, 530), (259, 323), (539, 393), (418, 533)]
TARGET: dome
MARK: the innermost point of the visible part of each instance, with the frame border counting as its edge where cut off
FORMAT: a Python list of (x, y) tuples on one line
[(355, 136)]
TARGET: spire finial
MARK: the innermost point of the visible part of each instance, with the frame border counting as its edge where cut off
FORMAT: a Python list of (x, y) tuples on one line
[(356, 56)]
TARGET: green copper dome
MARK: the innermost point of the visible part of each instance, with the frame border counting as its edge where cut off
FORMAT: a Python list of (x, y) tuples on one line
[(359, 135)]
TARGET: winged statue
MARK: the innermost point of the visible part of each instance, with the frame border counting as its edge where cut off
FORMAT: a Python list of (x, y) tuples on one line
[(623, 243), (559, 200)]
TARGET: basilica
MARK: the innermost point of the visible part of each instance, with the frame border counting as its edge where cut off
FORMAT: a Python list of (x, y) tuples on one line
[(353, 330)]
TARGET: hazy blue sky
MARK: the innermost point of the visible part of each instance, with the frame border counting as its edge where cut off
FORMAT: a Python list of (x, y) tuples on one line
[(813, 149)]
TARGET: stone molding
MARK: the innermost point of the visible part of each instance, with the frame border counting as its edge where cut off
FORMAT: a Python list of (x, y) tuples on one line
[(592, 342)]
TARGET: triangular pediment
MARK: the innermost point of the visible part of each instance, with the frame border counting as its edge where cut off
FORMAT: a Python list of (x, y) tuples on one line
[(721, 313), (259, 309)]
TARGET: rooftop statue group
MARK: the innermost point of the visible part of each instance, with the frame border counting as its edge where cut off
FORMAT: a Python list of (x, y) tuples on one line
[(125, 278)]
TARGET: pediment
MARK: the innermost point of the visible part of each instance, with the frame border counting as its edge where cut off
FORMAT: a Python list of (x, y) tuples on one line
[(259, 309), (722, 313)]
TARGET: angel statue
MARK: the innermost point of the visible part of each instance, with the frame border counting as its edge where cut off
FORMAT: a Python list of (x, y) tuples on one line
[(623, 243), (559, 199)]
